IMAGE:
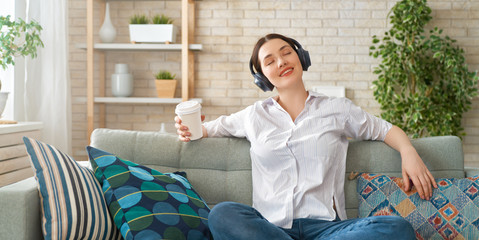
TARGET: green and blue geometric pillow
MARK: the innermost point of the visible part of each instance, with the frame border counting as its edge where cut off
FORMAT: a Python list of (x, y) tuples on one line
[(451, 213), (147, 204)]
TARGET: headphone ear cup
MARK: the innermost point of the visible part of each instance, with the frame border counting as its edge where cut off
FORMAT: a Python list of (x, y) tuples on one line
[(260, 79), (262, 82), (304, 58)]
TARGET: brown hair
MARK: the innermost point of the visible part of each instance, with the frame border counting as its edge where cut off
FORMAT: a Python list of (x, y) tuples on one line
[(254, 57)]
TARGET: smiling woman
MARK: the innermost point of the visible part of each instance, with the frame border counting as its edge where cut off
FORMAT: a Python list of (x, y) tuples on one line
[(287, 48), (280, 63), (299, 141)]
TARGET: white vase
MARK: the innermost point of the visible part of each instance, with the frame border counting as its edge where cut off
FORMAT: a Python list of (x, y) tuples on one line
[(121, 81), (107, 31), (3, 101)]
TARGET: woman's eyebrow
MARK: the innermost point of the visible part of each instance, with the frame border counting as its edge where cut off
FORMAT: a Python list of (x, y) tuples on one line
[(283, 47)]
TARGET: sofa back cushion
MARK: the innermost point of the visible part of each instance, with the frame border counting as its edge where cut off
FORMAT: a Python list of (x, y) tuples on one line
[(220, 168)]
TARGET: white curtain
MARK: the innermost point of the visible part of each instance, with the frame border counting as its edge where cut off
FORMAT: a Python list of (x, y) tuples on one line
[(47, 84)]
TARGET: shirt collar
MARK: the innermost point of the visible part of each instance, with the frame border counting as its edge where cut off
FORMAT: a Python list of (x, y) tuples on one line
[(311, 94)]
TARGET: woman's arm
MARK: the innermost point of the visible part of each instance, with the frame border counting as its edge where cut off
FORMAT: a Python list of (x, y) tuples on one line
[(413, 167)]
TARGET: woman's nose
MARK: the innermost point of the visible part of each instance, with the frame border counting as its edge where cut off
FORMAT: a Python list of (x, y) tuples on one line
[(281, 62)]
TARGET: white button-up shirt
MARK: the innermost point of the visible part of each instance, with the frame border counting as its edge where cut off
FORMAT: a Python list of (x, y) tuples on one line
[(298, 167)]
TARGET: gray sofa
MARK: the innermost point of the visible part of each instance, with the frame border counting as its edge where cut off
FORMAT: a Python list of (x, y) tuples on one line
[(220, 170)]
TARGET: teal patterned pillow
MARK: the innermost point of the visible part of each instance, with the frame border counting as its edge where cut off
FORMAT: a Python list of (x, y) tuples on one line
[(451, 213), (147, 204)]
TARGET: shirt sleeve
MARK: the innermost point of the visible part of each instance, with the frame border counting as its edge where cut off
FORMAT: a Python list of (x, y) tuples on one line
[(365, 126), (228, 126)]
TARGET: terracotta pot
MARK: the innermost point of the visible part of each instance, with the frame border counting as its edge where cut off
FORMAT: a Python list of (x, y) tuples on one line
[(166, 88)]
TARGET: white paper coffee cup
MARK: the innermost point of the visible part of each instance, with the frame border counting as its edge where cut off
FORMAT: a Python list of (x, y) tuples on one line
[(190, 115)]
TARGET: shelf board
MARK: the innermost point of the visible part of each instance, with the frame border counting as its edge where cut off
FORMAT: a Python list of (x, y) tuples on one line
[(138, 100), (139, 46)]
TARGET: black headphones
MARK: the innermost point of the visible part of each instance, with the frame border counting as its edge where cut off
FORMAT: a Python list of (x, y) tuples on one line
[(263, 82)]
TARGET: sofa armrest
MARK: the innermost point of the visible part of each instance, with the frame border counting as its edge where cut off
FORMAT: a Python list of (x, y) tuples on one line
[(20, 216), (471, 171)]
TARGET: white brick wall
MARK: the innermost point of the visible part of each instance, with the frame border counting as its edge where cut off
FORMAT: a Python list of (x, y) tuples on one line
[(336, 33)]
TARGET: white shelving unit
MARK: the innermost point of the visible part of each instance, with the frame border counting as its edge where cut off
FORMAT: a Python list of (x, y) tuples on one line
[(187, 47)]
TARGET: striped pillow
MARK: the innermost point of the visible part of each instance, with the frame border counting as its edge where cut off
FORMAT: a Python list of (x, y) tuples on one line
[(72, 203)]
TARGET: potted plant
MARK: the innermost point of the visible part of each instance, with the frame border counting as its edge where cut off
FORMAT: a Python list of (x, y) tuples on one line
[(165, 84), (161, 29), (17, 38), (423, 85)]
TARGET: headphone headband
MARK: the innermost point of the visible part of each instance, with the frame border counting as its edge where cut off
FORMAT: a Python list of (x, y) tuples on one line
[(263, 82), (296, 44)]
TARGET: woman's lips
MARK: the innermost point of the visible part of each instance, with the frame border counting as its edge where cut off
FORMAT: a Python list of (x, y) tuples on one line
[(286, 72)]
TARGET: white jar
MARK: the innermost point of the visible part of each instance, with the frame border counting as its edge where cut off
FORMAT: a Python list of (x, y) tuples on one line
[(121, 81)]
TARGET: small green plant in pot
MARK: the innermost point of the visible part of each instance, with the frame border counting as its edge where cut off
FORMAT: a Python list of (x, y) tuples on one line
[(161, 31), (139, 19), (165, 84), (162, 19), (17, 38), (423, 85)]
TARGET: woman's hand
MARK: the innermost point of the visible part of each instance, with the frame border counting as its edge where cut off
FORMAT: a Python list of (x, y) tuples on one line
[(414, 170), (182, 130)]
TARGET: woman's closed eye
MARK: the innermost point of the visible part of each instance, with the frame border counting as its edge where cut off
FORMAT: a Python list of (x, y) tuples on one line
[(271, 61)]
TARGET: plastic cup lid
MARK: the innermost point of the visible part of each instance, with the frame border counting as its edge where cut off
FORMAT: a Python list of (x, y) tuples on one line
[(187, 107)]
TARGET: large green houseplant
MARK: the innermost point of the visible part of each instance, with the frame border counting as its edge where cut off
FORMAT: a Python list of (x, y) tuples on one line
[(423, 84), (17, 38)]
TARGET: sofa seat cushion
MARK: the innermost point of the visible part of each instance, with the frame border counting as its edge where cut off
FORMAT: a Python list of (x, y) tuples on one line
[(72, 202), (146, 203), (451, 213)]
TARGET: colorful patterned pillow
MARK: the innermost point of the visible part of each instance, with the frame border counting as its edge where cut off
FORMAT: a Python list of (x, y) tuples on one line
[(145, 203), (452, 212), (71, 199)]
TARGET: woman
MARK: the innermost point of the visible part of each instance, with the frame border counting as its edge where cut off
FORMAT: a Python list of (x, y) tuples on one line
[(298, 152)]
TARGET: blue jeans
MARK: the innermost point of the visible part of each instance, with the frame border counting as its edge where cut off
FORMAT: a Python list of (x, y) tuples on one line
[(229, 221)]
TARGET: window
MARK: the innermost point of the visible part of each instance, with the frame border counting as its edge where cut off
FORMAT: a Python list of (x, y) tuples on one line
[(13, 75)]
